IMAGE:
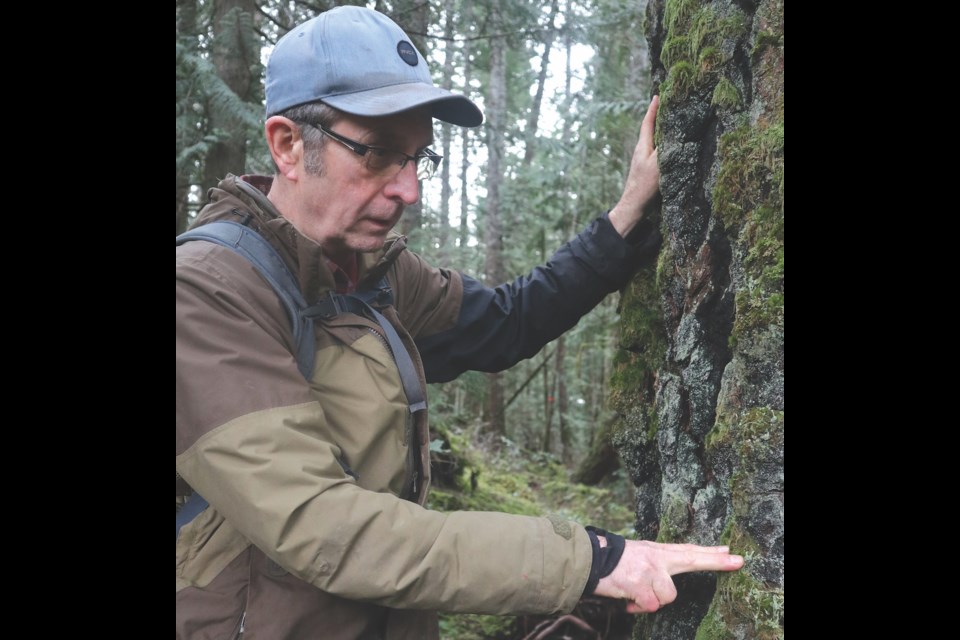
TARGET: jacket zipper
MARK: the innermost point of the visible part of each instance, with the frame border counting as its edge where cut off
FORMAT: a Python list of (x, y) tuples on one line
[(243, 620), (383, 341)]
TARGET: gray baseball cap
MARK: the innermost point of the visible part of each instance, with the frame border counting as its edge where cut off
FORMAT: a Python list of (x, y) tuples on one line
[(361, 62)]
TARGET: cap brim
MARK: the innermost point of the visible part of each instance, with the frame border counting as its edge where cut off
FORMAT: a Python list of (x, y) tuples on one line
[(385, 101)]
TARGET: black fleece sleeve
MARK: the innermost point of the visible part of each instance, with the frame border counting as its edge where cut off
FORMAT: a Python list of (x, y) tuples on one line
[(498, 327)]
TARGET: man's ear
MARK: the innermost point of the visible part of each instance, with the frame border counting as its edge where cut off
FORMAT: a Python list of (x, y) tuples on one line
[(286, 145)]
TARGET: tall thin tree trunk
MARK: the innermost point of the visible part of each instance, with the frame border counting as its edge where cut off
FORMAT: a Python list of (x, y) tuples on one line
[(446, 133), (533, 119), (548, 402), (413, 17), (235, 54), (563, 402), (464, 238), (496, 148), (568, 108)]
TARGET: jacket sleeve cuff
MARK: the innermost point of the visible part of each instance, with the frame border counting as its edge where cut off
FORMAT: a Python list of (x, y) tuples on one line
[(605, 559), (613, 257)]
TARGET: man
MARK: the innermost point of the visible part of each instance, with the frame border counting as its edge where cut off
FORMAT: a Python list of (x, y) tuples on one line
[(315, 527)]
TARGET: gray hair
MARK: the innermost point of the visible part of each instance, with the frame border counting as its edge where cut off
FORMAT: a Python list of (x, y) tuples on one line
[(305, 115)]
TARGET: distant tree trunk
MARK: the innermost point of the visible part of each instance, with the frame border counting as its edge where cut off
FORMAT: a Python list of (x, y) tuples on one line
[(235, 53), (547, 409), (446, 133), (533, 119), (548, 390), (698, 381), (496, 125), (601, 459), (413, 17), (466, 19), (563, 402)]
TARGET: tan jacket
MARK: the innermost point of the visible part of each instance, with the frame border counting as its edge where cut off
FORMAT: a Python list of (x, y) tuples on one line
[(293, 545)]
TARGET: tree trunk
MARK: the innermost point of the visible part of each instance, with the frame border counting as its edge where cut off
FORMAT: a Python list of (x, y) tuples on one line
[(413, 18), (464, 239), (446, 135), (533, 119), (547, 408), (493, 266), (563, 404), (698, 380), (235, 54), (601, 460)]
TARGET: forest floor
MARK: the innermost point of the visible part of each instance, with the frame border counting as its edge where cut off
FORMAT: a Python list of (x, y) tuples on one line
[(472, 474)]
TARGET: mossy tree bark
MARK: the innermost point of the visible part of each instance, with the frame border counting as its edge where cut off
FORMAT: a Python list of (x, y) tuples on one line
[(698, 380)]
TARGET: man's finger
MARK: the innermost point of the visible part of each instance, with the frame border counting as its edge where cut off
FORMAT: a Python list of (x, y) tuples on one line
[(648, 126), (670, 546), (685, 561)]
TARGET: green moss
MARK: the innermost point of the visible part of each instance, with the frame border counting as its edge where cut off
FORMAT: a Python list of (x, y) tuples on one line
[(653, 424), (712, 627), (708, 59), (726, 95), (476, 627), (674, 521), (643, 342), (719, 436), (749, 195), (674, 50), (677, 13), (693, 47), (741, 600), (681, 79), (754, 431), (702, 31), (764, 39)]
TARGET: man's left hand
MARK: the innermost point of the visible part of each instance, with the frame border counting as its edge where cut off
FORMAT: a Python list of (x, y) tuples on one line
[(643, 179)]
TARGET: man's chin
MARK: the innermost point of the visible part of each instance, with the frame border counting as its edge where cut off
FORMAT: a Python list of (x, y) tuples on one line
[(370, 243)]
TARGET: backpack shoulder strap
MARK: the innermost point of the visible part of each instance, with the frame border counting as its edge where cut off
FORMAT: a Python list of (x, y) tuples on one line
[(361, 303), (271, 266)]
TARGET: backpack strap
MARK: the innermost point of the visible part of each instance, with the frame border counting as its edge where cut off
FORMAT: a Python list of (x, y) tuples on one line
[(271, 266), (359, 303), (194, 505)]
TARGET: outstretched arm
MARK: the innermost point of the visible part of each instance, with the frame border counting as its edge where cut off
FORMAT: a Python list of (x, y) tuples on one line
[(643, 179)]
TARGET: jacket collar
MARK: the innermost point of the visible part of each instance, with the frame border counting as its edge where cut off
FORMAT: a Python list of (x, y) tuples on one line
[(243, 199)]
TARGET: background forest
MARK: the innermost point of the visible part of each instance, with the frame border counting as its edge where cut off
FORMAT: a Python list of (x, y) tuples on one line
[(668, 398)]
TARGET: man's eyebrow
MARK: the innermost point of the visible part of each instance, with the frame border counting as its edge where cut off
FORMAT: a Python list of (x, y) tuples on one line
[(388, 139)]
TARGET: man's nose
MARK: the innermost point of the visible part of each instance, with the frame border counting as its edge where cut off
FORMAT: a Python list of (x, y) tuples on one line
[(405, 185)]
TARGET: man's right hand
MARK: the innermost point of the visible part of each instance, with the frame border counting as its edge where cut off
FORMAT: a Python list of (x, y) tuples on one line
[(644, 574)]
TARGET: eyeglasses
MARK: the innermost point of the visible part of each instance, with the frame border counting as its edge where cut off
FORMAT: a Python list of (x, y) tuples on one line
[(380, 161)]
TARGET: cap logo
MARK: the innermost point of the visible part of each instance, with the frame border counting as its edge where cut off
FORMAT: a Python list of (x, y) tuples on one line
[(407, 53)]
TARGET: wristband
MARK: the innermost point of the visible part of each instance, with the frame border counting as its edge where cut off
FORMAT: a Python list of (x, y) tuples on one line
[(605, 559)]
